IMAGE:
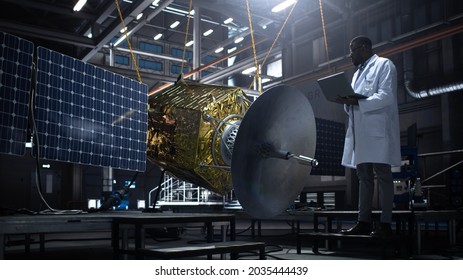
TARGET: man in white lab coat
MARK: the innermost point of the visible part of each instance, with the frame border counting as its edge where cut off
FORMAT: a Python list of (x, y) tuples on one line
[(372, 143)]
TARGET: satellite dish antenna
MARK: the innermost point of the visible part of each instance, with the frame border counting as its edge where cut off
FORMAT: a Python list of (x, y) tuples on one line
[(273, 151)]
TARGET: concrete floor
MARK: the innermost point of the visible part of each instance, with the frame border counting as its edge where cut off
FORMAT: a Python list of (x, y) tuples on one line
[(279, 237)]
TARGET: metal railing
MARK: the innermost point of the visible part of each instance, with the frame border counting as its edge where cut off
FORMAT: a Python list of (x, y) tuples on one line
[(445, 169), (175, 192)]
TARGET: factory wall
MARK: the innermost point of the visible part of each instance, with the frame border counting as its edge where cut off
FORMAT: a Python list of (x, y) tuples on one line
[(436, 63), (439, 119)]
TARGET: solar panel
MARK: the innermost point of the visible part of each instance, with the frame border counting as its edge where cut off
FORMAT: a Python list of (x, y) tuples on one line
[(329, 149), (87, 115), (16, 56)]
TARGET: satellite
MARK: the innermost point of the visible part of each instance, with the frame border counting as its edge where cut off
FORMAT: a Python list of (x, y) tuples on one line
[(208, 135), (213, 137)]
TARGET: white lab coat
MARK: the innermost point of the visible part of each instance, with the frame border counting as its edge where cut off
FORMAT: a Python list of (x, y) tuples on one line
[(373, 133)]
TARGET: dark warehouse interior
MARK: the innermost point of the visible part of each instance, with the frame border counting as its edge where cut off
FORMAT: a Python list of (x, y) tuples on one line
[(204, 135)]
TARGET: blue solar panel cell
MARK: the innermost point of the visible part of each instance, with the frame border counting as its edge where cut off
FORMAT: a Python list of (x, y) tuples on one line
[(329, 149), (88, 115), (16, 56)]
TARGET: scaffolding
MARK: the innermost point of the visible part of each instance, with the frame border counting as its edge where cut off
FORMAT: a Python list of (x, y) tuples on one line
[(176, 192)]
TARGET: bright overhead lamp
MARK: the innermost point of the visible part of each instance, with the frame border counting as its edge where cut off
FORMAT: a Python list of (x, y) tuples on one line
[(156, 2), (231, 50), (157, 37), (228, 20), (265, 23), (248, 70), (189, 43), (209, 32), (122, 38), (123, 30), (79, 5), (266, 80), (175, 24), (139, 16), (283, 5), (177, 10), (192, 12), (219, 50), (239, 40), (89, 35)]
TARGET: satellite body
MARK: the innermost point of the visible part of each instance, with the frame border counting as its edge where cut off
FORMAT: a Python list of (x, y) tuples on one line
[(212, 137), (189, 126)]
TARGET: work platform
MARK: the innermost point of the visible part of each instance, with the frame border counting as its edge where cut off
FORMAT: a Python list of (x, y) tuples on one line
[(408, 228), (119, 223), (127, 229)]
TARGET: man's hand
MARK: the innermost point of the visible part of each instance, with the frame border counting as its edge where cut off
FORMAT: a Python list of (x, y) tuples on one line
[(347, 100)]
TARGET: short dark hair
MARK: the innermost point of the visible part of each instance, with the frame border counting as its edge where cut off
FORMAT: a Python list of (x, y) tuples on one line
[(362, 40)]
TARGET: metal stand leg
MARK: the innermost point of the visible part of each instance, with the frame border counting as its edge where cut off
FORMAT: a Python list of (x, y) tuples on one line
[(2, 246)]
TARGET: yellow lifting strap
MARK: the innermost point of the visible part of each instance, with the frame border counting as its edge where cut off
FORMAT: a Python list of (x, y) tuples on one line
[(324, 33), (256, 65), (269, 51), (186, 36), (128, 41)]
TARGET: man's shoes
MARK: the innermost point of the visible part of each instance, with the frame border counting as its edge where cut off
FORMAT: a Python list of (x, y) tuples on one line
[(383, 230), (361, 228)]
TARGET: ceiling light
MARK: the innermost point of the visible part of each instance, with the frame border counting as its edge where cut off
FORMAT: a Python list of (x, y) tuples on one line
[(79, 5), (219, 50), (175, 24), (265, 23), (231, 50), (209, 32), (249, 70), (157, 37), (123, 29), (177, 10), (189, 43), (139, 16), (128, 1), (228, 20), (119, 40), (266, 80), (192, 12), (90, 35), (122, 38), (239, 39), (156, 2), (283, 5)]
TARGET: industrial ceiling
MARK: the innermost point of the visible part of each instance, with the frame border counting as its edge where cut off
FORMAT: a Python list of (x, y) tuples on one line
[(85, 34), (88, 34)]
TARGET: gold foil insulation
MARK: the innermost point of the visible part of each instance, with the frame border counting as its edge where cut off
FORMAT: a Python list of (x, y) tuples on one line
[(185, 126)]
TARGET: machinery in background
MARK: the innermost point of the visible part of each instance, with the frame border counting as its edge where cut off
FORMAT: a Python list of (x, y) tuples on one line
[(408, 193)]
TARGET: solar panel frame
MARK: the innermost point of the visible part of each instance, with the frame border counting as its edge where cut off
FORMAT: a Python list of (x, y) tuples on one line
[(88, 115), (16, 57)]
